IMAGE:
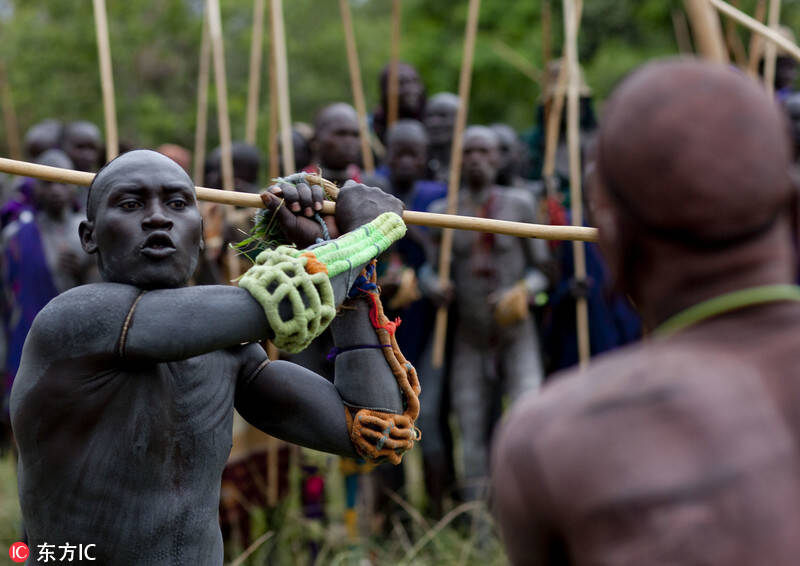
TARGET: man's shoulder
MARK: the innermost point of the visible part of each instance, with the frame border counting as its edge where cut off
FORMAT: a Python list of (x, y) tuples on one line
[(84, 309), (627, 392)]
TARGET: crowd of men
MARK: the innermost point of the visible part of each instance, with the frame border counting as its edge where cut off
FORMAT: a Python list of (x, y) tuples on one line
[(511, 301)]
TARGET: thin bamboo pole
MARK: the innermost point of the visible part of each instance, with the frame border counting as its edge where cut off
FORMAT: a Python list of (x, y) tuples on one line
[(756, 40), (707, 30), (201, 128), (357, 85), (446, 247), (553, 124), (682, 36), (576, 196), (106, 79), (223, 118), (254, 84), (520, 229), (9, 116), (735, 45), (393, 90), (282, 84), (274, 166), (771, 51), (547, 34), (517, 61), (754, 25)]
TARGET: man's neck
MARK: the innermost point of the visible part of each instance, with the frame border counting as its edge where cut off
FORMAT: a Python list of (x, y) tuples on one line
[(478, 194), (441, 153), (673, 286)]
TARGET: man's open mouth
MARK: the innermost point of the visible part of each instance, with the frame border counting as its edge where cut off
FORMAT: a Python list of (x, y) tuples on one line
[(158, 245)]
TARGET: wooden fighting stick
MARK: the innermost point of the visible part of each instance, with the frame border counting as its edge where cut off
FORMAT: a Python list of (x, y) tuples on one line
[(771, 51), (106, 79), (393, 109), (282, 84), (254, 83), (357, 86), (575, 178), (223, 118), (707, 30), (754, 25), (520, 229), (446, 247), (756, 40), (9, 116), (201, 128)]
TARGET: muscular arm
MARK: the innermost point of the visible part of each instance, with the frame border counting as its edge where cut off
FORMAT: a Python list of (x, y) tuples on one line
[(521, 500), (297, 405), (292, 403)]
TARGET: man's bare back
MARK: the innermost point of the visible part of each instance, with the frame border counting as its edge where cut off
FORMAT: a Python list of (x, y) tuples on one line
[(682, 449), (678, 452)]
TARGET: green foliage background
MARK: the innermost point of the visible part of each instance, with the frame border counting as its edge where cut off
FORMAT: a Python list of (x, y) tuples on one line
[(50, 51)]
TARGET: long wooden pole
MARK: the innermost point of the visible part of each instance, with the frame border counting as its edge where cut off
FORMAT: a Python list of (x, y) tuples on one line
[(707, 30), (274, 166), (520, 229), (520, 63), (254, 84), (9, 116), (446, 248), (576, 194), (282, 78), (754, 25), (681, 28), (734, 42), (553, 124), (393, 86), (771, 51), (357, 85), (106, 79), (223, 118), (201, 128), (756, 40)]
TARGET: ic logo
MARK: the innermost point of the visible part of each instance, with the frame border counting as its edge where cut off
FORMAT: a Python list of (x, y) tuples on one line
[(19, 552)]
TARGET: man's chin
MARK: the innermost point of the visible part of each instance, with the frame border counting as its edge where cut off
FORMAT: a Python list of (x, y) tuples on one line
[(148, 279)]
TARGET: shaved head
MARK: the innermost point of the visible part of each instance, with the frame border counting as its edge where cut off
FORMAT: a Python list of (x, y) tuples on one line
[(695, 152), (134, 161)]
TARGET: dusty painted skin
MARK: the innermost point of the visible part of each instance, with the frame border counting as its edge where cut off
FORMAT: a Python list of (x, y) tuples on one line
[(123, 404), (682, 449)]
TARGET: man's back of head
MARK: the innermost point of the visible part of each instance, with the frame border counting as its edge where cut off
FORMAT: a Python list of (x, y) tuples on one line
[(693, 161)]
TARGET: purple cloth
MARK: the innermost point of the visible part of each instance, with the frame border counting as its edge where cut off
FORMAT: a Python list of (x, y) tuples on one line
[(28, 286)]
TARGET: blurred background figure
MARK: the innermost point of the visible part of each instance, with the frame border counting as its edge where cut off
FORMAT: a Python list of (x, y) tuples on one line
[(178, 154), (439, 120), (83, 143), (42, 257), (410, 97)]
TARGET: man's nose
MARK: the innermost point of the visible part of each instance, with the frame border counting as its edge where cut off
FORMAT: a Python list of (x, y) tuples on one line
[(156, 218)]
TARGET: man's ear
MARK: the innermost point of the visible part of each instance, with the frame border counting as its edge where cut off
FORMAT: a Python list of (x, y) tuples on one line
[(86, 232)]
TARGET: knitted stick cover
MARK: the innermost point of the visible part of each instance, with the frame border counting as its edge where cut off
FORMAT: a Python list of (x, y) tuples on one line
[(281, 275), (301, 279)]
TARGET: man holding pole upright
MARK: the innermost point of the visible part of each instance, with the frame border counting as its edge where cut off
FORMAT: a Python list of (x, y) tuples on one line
[(123, 402), (683, 449), (495, 277)]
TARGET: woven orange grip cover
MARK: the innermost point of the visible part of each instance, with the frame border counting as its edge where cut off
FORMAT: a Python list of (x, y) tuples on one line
[(376, 435)]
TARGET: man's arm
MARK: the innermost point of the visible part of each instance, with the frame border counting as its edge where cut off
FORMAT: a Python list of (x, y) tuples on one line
[(521, 501), (292, 403)]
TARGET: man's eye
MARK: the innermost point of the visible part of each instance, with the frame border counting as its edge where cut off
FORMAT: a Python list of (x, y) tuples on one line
[(177, 204), (130, 204)]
